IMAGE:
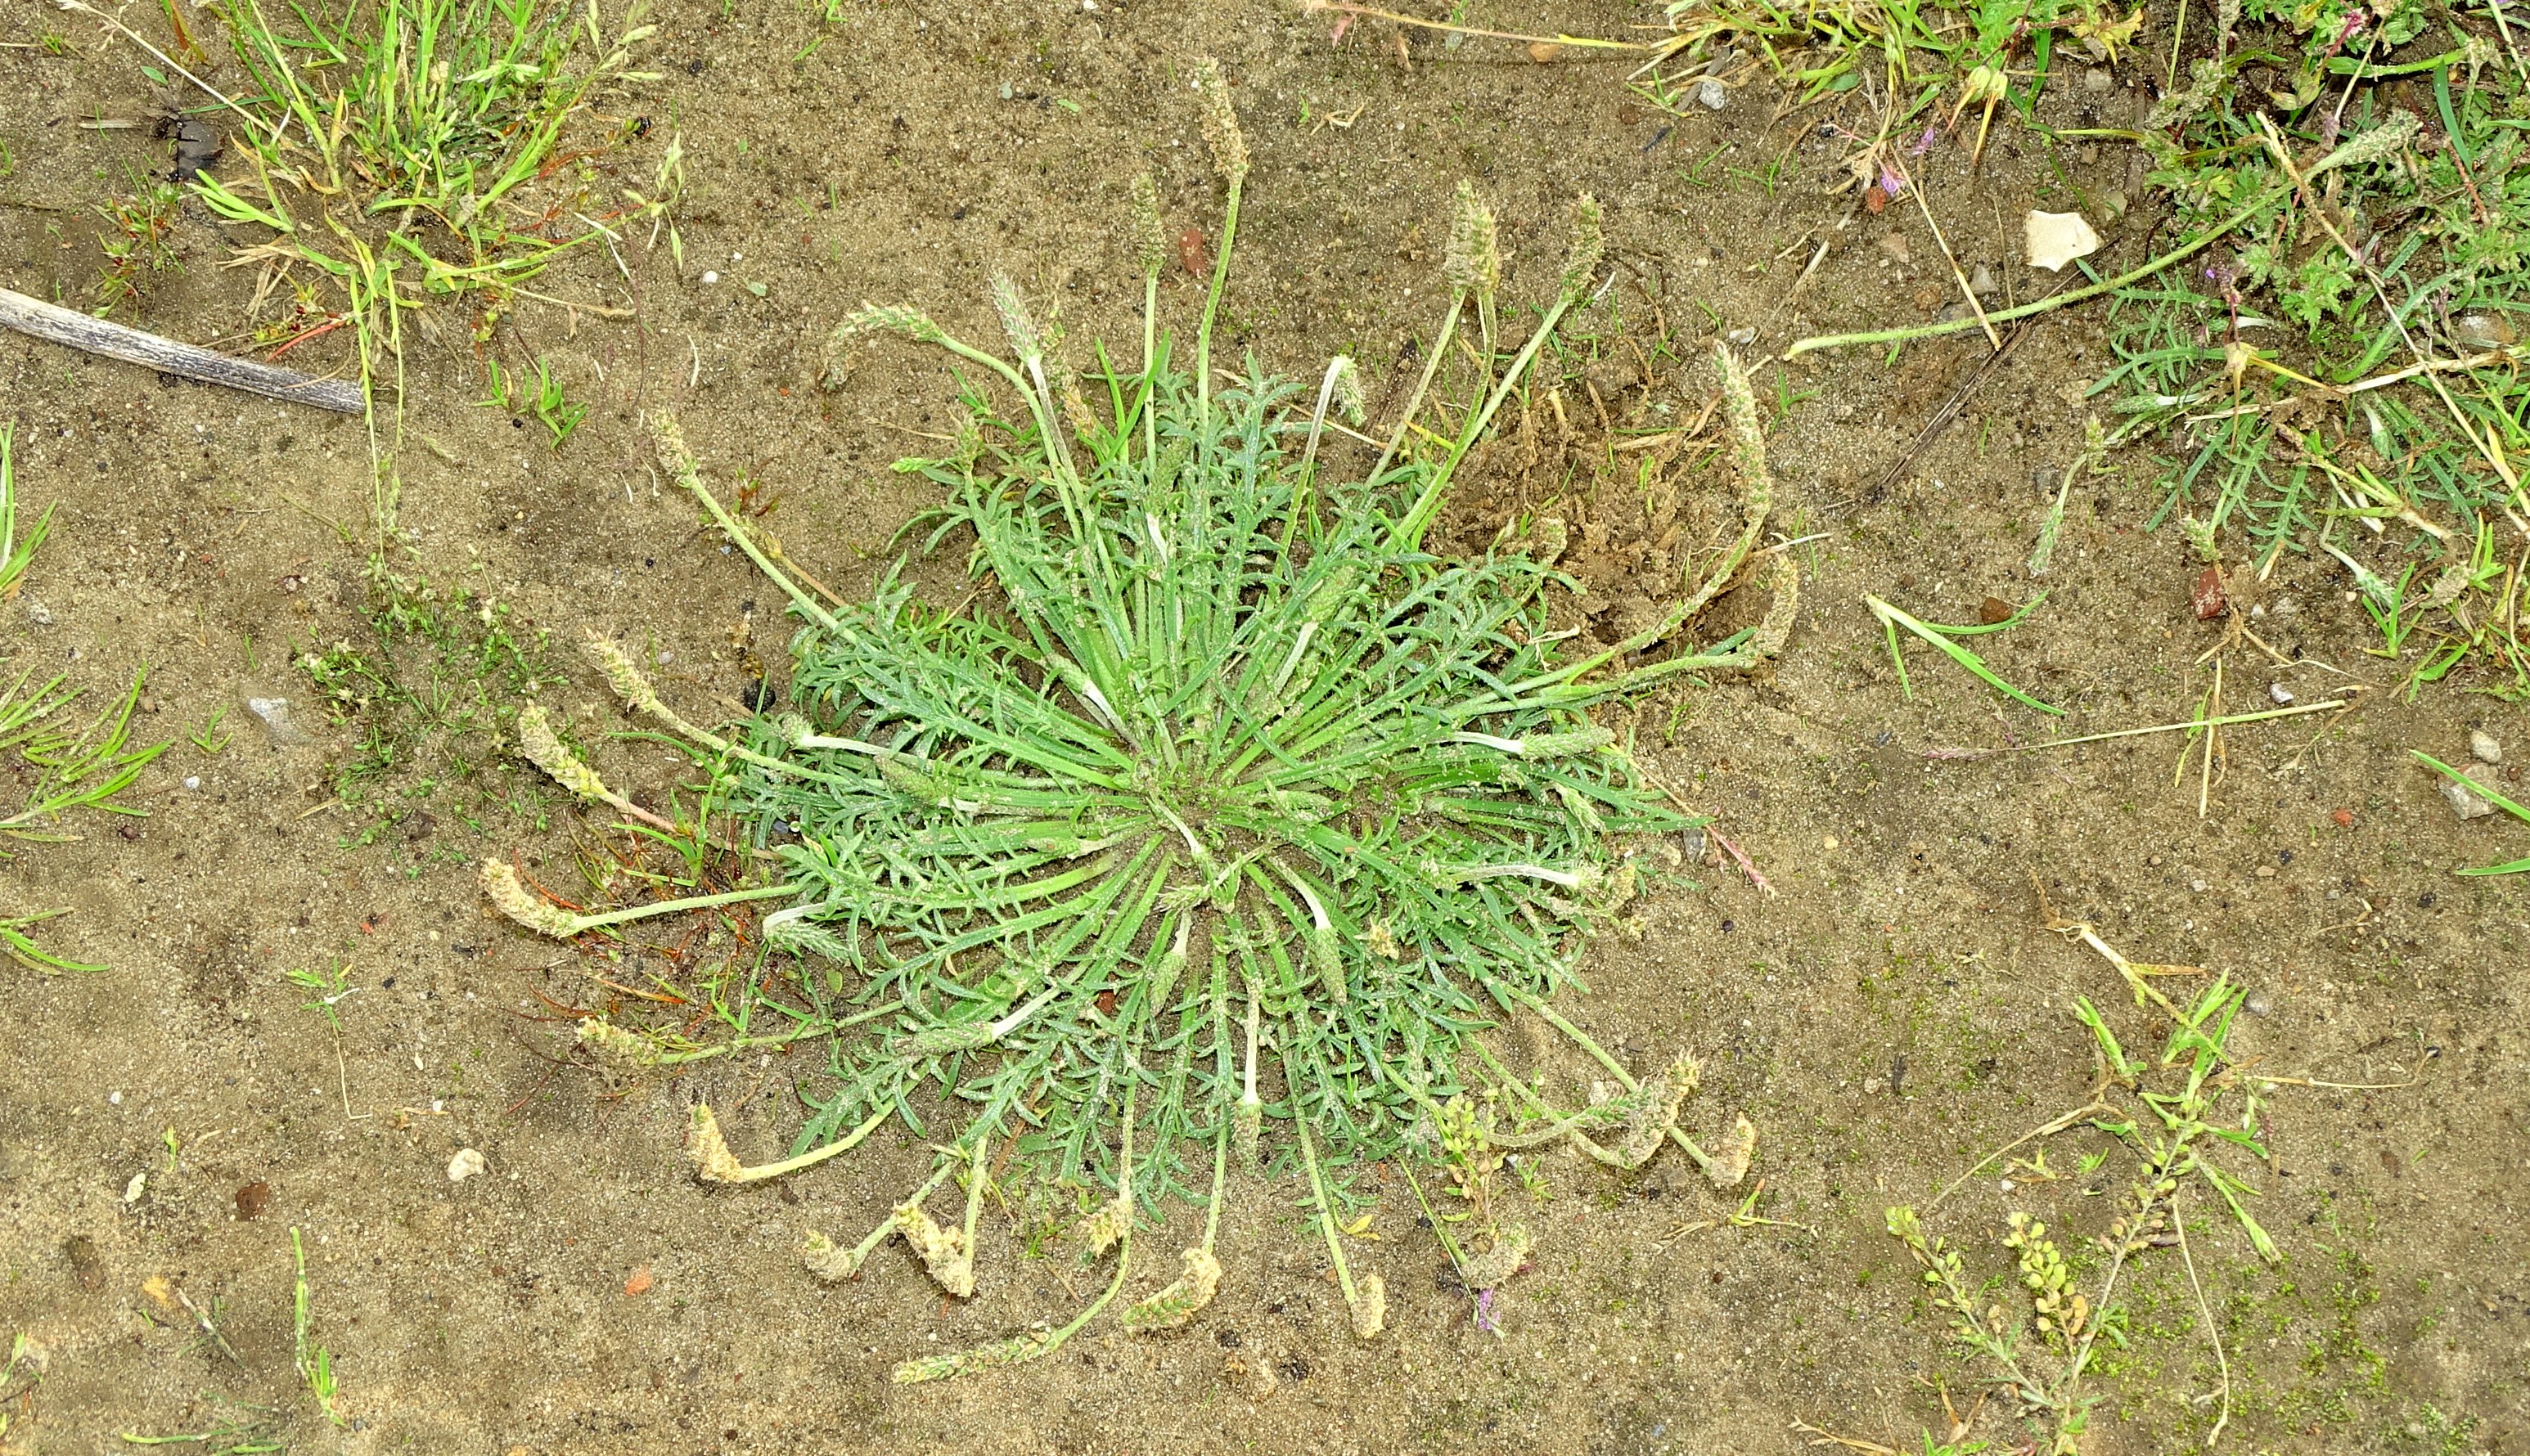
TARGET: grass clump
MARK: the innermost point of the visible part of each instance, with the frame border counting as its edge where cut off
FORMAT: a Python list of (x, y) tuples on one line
[(1214, 831), (62, 768)]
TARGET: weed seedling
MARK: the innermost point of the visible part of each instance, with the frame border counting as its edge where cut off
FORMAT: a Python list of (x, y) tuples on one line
[(209, 737), (315, 1363), (327, 987), (1939, 635)]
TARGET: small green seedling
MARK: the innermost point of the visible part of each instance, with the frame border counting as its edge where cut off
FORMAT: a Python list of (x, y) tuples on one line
[(544, 399), (1939, 635), (2511, 867), (316, 1364), (208, 738), (14, 555), (329, 988)]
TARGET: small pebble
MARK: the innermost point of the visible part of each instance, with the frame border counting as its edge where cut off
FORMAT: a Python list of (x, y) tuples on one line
[(1873, 1086), (2483, 747), (465, 1164), (2281, 693), (2096, 80), (2342, 818), (1741, 337), (275, 713), (1712, 95), (39, 615), (710, 276), (114, 1098), (2196, 885), (1982, 282), (192, 781), (2259, 1004), (2266, 871), (2464, 805)]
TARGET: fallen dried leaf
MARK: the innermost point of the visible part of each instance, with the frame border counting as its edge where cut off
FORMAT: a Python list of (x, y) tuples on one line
[(640, 1281), (2054, 238)]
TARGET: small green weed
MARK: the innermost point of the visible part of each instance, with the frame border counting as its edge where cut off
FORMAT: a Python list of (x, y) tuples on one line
[(544, 399), (327, 987), (428, 697), (315, 1363), (135, 241), (1938, 635), (209, 737), (1230, 801)]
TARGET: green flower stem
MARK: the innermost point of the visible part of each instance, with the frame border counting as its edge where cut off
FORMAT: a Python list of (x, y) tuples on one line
[(814, 1156), (809, 606), (1599, 1053), (1414, 401), (579, 923), (2052, 301), (1211, 303), (1318, 1190), (1410, 531)]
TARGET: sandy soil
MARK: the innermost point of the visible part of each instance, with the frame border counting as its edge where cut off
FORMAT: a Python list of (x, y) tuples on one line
[(1893, 1014)]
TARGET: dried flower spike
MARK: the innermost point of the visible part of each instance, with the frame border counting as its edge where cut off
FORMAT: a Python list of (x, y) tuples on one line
[(510, 898), (943, 1251), (1370, 1307), (619, 1048), (544, 748), (621, 675), (1582, 263), (1150, 240), (1177, 1304), (828, 1259), (1220, 124), (1730, 1161), (707, 1152), (1473, 262)]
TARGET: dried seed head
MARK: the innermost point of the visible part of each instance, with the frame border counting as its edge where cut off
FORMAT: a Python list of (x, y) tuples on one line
[(1017, 1350), (510, 898), (625, 678), (828, 1259), (2383, 141), (1495, 1266), (1172, 1308), (893, 318), (544, 748), (1171, 964), (619, 1048), (1582, 263), (1346, 378), (707, 1152), (1473, 262), (670, 439), (1731, 1160), (1150, 241), (1024, 340), (1655, 1111), (1220, 124), (1370, 1306), (1747, 427), (1101, 1231), (944, 1250), (1380, 938)]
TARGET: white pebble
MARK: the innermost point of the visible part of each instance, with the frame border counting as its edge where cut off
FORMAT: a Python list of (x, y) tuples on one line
[(192, 781), (465, 1164), (114, 1098), (710, 276), (2483, 747), (1712, 95), (2278, 692)]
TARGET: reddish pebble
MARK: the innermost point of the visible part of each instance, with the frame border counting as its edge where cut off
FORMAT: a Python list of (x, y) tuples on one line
[(2209, 598), (640, 1281), (1190, 252), (253, 1199), (2345, 818), (1874, 200)]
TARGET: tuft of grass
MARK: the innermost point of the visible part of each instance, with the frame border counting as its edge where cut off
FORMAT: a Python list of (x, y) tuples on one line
[(1211, 835), (136, 241), (541, 399), (64, 769)]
